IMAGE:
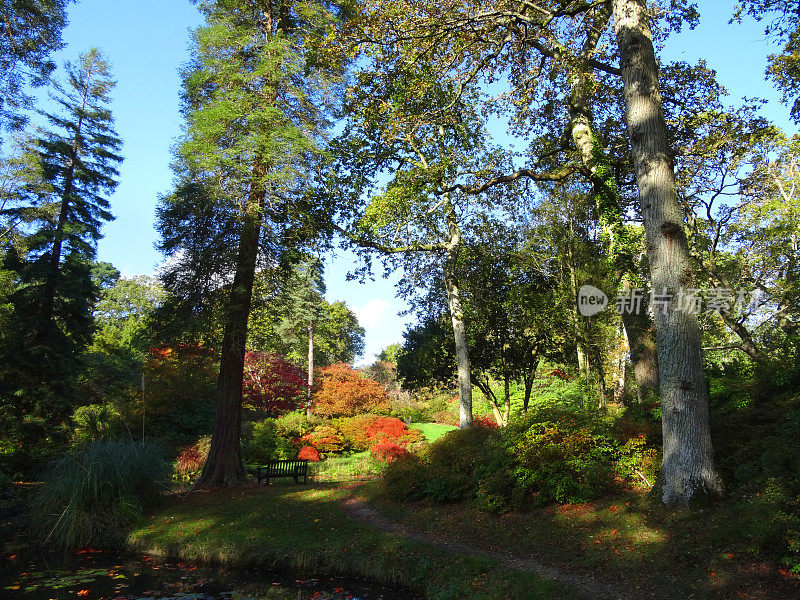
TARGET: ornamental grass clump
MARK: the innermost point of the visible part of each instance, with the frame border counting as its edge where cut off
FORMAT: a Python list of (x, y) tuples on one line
[(93, 497)]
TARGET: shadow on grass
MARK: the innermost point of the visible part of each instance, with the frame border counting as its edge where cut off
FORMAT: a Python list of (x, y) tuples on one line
[(305, 528)]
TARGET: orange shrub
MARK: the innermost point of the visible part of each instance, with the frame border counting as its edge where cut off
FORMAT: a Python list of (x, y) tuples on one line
[(388, 451), (308, 453), (393, 430), (325, 438), (354, 429), (344, 392), (362, 431)]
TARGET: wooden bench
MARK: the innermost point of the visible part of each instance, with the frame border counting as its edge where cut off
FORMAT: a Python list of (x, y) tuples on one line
[(296, 468)]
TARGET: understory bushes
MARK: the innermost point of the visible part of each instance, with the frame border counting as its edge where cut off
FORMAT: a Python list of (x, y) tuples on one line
[(291, 434), (191, 461), (91, 498), (759, 459), (531, 461)]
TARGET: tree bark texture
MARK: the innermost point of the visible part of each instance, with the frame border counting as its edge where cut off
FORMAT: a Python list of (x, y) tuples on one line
[(642, 345), (224, 467), (687, 470), (460, 337)]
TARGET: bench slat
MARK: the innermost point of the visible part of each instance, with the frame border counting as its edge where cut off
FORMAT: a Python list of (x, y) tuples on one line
[(283, 468)]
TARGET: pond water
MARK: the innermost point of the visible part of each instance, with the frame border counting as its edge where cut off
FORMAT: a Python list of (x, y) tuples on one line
[(94, 575)]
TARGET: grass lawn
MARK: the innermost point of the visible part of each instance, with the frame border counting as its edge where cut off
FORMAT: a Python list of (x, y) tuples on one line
[(305, 527), (356, 466), (433, 431)]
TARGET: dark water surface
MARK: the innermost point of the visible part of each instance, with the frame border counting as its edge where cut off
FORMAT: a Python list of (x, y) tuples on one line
[(94, 575)]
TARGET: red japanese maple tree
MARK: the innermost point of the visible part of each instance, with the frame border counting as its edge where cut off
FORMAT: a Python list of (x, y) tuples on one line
[(271, 383)]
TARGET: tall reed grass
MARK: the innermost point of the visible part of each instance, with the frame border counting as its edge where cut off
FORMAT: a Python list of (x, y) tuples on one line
[(92, 498)]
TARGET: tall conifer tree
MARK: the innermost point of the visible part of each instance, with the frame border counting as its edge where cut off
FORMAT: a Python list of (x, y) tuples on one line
[(256, 97), (77, 154)]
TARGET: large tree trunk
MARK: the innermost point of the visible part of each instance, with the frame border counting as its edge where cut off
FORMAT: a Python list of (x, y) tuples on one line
[(457, 317), (224, 464), (642, 345), (687, 470)]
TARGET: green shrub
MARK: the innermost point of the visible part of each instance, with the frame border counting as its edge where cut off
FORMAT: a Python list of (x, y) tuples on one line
[(412, 412), (637, 463), (561, 461), (404, 479), (295, 425), (265, 444), (548, 461), (451, 463), (27, 445), (759, 458), (444, 471), (91, 498), (96, 422)]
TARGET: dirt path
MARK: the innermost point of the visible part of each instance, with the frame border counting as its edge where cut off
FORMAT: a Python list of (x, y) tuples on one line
[(583, 584)]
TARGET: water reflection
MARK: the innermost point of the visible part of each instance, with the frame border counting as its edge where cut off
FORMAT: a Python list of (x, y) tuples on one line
[(94, 575)]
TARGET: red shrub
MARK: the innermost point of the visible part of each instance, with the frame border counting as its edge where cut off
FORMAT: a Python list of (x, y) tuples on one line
[(308, 453), (344, 392), (271, 383), (363, 431), (387, 427), (388, 451), (485, 421)]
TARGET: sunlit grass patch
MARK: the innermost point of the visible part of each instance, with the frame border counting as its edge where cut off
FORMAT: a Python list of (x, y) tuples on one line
[(433, 431), (306, 528)]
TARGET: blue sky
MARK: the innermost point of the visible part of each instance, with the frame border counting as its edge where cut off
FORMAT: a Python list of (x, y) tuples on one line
[(146, 42)]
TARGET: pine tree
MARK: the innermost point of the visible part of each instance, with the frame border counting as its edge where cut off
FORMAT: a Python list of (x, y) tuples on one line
[(79, 157), (255, 99), (53, 256), (30, 30)]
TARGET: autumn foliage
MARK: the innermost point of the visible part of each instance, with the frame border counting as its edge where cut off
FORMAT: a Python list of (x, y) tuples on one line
[(325, 438), (364, 431), (308, 453), (387, 451), (191, 460), (343, 392), (484, 421), (271, 383)]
